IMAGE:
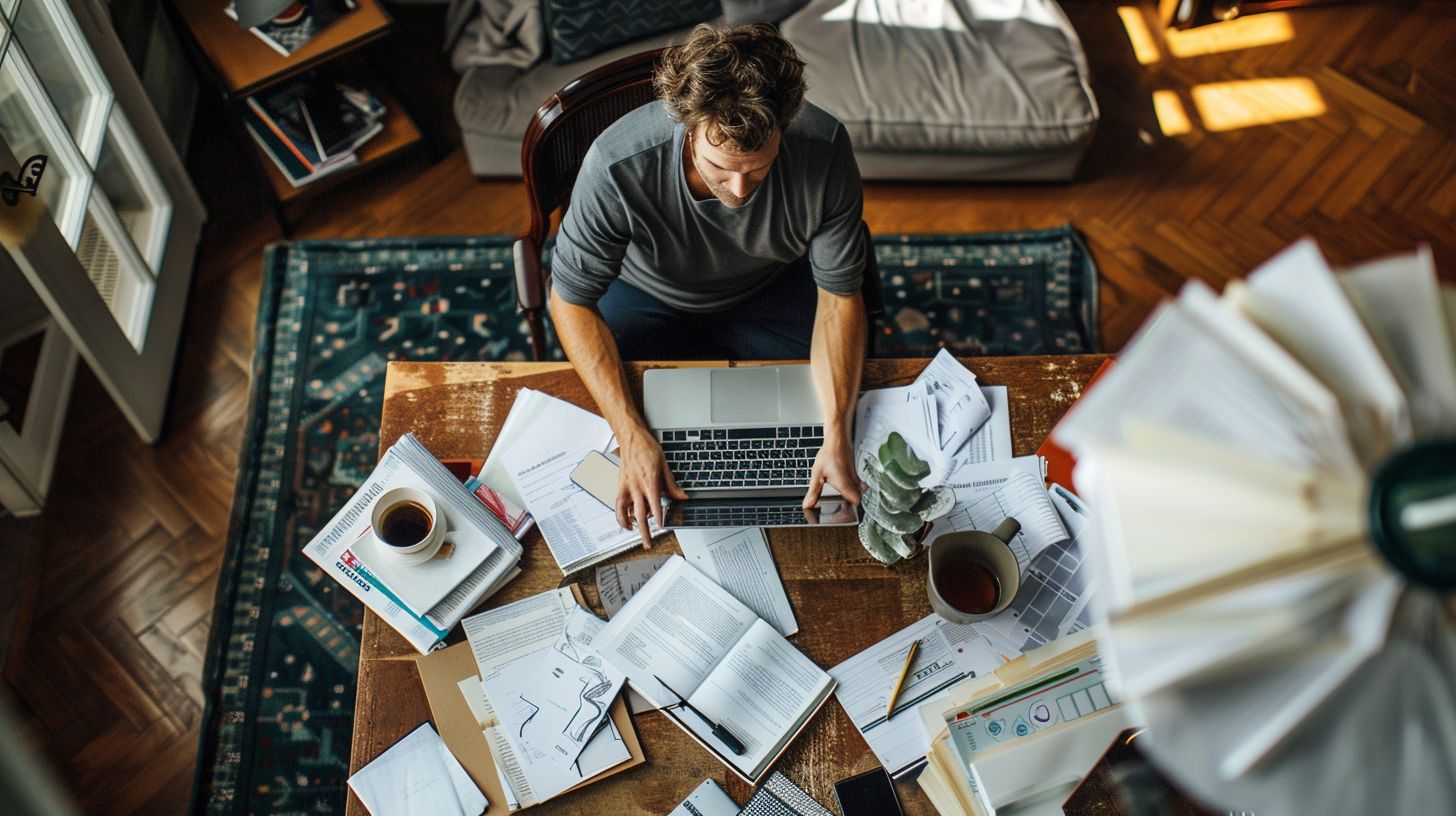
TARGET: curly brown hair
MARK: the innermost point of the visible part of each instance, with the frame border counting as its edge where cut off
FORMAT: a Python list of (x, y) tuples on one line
[(746, 81)]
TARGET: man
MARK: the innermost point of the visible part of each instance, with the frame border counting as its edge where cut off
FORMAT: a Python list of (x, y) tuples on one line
[(721, 221)]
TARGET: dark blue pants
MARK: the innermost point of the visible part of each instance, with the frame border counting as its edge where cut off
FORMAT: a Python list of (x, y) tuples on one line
[(776, 324)]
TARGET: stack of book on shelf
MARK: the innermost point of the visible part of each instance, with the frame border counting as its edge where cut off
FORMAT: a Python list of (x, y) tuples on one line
[(314, 125), (1272, 477), (422, 601)]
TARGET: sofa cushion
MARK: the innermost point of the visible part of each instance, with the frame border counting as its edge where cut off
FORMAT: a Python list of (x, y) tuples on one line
[(578, 29), (946, 76), (498, 100), (738, 12)]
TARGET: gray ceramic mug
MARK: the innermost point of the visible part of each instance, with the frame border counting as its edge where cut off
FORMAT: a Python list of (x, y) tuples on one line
[(973, 575)]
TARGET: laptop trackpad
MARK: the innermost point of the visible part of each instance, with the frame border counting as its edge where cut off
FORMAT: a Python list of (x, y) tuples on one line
[(745, 395)]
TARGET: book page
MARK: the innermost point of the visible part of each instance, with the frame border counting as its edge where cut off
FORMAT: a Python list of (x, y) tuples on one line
[(760, 692), (1176, 373), (740, 562), (1399, 300), (1296, 299), (678, 628)]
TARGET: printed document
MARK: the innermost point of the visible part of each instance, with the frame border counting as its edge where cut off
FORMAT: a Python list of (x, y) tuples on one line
[(418, 776), (737, 559), (731, 665), (960, 406), (579, 529), (508, 644), (1055, 588), (909, 410), (947, 655), (529, 778), (617, 583), (990, 443), (987, 494)]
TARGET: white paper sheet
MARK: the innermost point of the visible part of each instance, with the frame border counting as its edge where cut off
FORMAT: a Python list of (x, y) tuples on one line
[(1055, 588), (960, 406), (988, 493), (739, 561), (947, 655), (992, 441), (532, 775), (572, 690), (418, 776), (578, 529)]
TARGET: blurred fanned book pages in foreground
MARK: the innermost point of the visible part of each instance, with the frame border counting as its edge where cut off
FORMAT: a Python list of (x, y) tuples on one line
[(1235, 457)]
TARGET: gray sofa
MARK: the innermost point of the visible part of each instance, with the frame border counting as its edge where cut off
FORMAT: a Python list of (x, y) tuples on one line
[(928, 89)]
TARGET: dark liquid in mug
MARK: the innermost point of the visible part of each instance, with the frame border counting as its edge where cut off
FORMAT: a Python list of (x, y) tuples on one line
[(405, 524), (967, 584)]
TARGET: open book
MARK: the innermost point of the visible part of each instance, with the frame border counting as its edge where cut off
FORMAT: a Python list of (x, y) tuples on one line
[(730, 665)]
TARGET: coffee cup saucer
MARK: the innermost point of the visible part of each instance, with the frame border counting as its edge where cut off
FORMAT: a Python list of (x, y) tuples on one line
[(419, 556)]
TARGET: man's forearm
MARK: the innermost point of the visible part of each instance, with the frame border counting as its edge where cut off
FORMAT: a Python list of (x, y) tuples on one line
[(589, 345), (836, 356)]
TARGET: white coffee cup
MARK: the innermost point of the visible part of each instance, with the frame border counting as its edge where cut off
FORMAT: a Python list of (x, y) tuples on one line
[(408, 525)]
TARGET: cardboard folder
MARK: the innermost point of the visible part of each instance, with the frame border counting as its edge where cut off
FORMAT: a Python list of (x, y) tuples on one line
[(441, 673)]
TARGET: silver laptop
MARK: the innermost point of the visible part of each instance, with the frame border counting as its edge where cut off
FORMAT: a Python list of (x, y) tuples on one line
[(741, 442)]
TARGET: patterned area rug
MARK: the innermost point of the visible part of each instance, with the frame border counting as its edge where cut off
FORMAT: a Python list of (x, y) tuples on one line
[(284, 647)]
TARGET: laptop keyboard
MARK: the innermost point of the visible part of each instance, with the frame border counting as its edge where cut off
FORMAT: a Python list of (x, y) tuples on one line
[(707, 458)]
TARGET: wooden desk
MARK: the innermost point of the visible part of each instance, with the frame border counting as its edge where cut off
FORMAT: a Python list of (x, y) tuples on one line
[(844, 600)]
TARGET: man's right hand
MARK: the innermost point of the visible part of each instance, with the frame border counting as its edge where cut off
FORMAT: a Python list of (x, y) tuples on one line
[(642, 482)]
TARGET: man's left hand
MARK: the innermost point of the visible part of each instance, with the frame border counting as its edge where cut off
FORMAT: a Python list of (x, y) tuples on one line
[(834, 465)]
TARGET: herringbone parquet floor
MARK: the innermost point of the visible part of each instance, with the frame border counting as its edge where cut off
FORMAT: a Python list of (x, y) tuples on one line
[(1215, 151)]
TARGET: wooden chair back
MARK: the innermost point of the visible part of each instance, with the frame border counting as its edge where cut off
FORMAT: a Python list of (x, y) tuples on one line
[(555, 144)]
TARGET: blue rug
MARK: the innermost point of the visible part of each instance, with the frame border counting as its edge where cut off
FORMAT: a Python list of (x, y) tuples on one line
[(283, 652)]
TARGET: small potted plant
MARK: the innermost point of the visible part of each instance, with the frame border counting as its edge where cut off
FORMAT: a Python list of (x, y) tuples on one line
[(897, 510)]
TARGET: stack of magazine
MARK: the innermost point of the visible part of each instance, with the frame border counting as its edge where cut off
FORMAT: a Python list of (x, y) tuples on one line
[(1237, 459), (314, 125), (422, 602)]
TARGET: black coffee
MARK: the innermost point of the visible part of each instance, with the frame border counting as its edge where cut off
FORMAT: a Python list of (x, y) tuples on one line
[(968, 584), (405, 524)]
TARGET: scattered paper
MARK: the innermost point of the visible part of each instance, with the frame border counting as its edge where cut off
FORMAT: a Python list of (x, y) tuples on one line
[(508, 643), (418, 776), (960, 406), (908, 410), (947, 655), (571, 691), (508, 633), (1055, 588), (992, 441)]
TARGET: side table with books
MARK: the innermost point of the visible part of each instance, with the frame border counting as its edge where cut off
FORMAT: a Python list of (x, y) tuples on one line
[(308, 112)]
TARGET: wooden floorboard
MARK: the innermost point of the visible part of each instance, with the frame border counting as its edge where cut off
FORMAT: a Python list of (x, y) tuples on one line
[(106, 669)]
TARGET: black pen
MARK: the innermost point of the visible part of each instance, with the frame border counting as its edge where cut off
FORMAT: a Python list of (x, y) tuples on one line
[(718, 731)]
